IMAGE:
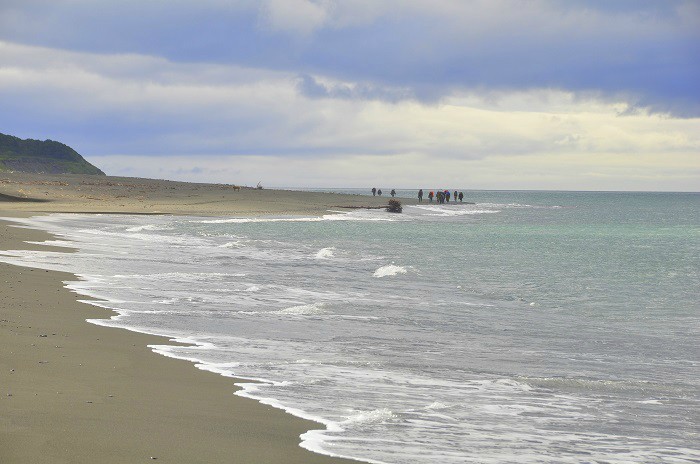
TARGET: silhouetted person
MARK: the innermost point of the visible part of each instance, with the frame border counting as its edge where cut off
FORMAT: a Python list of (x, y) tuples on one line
[(379, 192), (420, 195), (461, 197), (392, 193), (374, 191)]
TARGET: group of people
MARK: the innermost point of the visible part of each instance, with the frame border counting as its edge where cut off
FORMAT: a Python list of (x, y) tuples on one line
[(376, 192), (441, 196)]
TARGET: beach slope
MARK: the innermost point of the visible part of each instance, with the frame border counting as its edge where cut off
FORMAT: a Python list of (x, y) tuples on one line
[(75, 392)]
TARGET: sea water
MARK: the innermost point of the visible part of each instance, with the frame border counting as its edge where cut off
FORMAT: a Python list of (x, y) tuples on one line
[(527, 327)]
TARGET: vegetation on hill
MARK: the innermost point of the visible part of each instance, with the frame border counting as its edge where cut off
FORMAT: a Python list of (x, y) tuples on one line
[(47, 157)]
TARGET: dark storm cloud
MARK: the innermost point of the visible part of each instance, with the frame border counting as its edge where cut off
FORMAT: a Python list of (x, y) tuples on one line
[(312, 88)]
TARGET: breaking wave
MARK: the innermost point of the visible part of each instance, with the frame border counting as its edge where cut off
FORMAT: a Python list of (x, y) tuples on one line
[(389, 270)]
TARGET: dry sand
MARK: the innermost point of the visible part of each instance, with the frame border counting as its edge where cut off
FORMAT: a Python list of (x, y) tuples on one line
[(75, 392), (99, 194)]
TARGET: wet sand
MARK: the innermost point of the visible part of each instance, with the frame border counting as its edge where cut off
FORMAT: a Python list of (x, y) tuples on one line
[(75, 392)]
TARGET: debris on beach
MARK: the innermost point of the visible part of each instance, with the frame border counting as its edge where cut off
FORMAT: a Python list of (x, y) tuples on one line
[(394, 206)]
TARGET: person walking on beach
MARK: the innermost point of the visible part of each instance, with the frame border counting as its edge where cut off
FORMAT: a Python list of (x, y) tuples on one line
[(392, 193), (447, 195), (431, 194), (455, 196), (379, 192), (374, 191), (461, 197), (420, 196)]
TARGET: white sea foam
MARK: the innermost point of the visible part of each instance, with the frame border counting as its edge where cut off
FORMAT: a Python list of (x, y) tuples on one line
[(376, 416), (147, 227), (453, 210), (257, 220), (325, 253), (191, 276), (304, 310), (389, 270), (357, 215), (506, 205), (235, 244), (56, 243), (356, 318), (437, 406)]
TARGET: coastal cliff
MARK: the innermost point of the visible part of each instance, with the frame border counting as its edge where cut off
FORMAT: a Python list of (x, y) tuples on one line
[(42, 157)]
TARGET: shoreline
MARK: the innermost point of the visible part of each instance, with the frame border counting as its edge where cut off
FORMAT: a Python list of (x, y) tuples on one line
[(39, 193), (75, 391)]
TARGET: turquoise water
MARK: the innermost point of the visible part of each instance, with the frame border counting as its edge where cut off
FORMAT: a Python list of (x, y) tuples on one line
[(529, 327)]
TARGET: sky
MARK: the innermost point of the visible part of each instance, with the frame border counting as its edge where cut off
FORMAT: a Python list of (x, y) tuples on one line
[(469, 94)]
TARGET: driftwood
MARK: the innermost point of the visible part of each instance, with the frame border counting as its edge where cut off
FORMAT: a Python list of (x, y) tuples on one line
[(389, 207), (394, 206)]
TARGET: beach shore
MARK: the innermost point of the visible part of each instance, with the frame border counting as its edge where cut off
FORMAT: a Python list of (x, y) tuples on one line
[(75, 392), (130, 195)]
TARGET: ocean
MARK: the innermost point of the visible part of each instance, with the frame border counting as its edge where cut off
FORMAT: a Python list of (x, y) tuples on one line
[(529, 327)]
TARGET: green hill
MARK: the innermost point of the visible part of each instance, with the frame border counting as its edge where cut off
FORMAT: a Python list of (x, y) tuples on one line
[(47, 157)]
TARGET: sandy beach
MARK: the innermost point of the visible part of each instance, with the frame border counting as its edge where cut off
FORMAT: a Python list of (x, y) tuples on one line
[(75, 392), (100, 194)]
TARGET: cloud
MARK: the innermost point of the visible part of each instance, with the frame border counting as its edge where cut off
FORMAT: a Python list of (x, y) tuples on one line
[(314, 87), (642, 51), (109, 104), (297, 16)]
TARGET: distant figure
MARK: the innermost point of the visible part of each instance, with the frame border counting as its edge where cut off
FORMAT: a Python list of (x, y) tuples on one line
[(447, 196), (455, 196), (392, 193), (431, 194), (374, 191), (420, 196), (461, 197), (379, 192)]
